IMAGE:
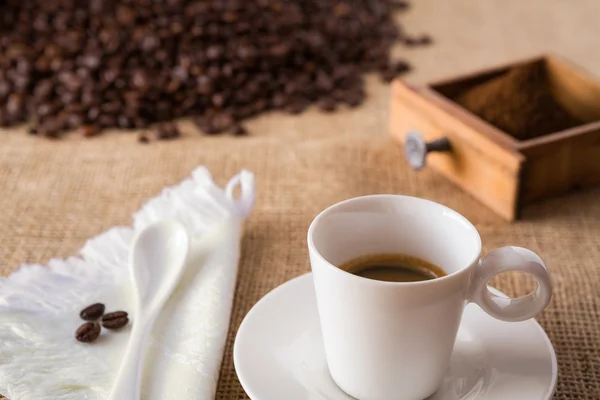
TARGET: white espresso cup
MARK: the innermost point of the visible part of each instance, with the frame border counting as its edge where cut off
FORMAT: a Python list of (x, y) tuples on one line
[(393, 340)]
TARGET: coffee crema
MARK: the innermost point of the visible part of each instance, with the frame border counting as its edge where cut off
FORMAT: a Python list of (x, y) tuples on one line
[(393, 267)]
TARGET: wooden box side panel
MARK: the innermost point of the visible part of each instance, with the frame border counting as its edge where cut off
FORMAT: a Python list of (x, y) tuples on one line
[(481, 167), (557, 166), (576, 89)]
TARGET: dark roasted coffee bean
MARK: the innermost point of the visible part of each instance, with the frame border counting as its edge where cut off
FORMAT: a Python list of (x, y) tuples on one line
[(143, 138), (15, 106), (296, 106), (140, 122), (389, 74), (354, 99), (43, 89), (324, 82), (218, 100), (74, 121), (210, 129), (399, 5), (111, 107), (92, 312), (88, 130), (45, 109), (88, 332), (124, 122), (425, 40), (239, 130), (93, 113), (125, 15), (341, 9), (278, 100), (107, 121), (401, 67), (5, 89), (115, 320), (70, 80), (49, 128), (202, 122), (4, 120), (222, 121), (260, 105), (214, 52), (413, 41), (167, 130), (91, 61), (327, 104)]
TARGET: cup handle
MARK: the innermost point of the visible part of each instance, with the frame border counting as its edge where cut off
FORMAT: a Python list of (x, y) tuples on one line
[(507, 259)]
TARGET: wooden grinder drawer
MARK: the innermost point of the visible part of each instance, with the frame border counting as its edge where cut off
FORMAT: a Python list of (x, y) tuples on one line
[(503, 171)]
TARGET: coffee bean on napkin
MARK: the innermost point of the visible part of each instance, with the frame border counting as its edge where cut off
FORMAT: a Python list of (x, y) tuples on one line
[(115, 320), (88, 332), (92, 312)]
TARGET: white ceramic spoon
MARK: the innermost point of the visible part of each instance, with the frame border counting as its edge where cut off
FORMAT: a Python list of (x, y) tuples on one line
[(157, 262)]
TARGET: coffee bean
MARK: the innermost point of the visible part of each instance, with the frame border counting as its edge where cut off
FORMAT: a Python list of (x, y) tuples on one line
[(115, 320), (106, 121), (203, 123), (324, 82), (388, 75), (214, 52), (392, 71), (15, 106), (167, 130), (218, 99), (111, 107), (5, 89), (260, 105), (401, 67), (278, 100), (425, 40), (88, 332), (354, 99), (222, 121), (49, 128), (296, 106), (341, 9), (327, 104), (239, 130), (400, 5), (143, 138), (124, 122), (91, 61), (74, 121), (88, 130), (413, 41), (125, 15), (92, 312), (43, 89)]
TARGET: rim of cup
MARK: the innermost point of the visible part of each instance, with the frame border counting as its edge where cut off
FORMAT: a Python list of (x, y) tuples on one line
[(447, 211)]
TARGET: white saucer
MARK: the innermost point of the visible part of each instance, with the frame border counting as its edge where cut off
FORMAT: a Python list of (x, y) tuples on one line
[(278, 354)]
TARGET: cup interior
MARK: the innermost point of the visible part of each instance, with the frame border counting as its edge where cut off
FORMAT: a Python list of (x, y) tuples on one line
[(395, 224)]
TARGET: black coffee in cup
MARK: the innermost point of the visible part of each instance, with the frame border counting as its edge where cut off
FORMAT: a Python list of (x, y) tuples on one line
[(393, 268)]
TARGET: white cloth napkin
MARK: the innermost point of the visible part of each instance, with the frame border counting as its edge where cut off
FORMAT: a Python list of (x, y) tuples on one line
[(39, 306)]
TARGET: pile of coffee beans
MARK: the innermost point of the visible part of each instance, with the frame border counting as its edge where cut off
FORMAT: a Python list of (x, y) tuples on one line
[(87, 65)]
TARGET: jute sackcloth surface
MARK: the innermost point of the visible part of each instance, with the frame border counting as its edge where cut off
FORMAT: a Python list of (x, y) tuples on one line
[(55, 195)]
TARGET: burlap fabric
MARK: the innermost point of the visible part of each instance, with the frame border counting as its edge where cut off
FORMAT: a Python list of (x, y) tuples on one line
[(55, 195)]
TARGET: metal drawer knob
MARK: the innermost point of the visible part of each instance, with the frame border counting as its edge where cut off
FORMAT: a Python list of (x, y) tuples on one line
[(416, 149)]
